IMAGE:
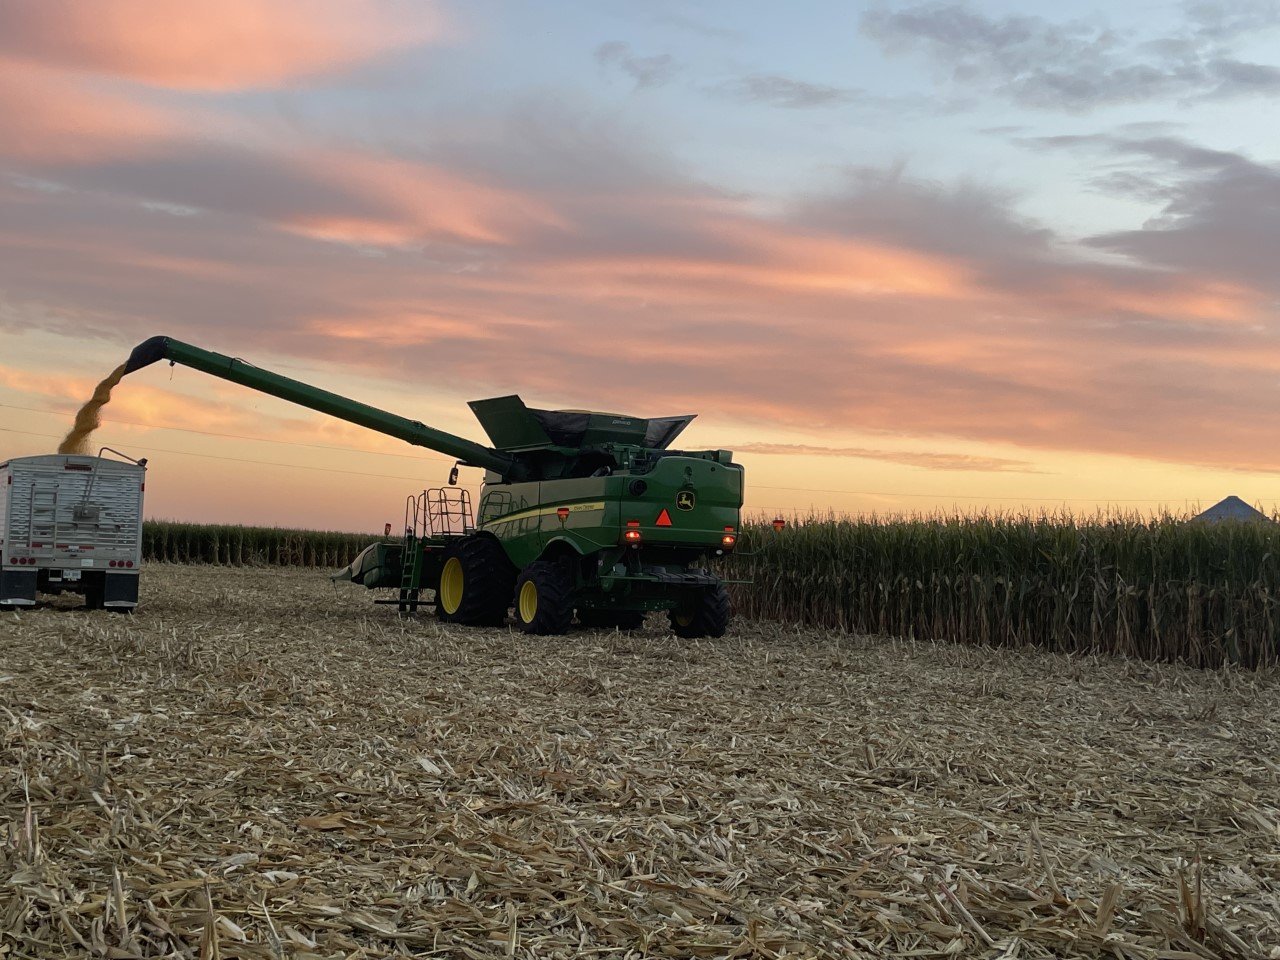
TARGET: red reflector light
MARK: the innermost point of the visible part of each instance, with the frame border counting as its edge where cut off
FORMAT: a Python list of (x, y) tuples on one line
[(779, 523), (562, 513), (77, 466), (664, 519)]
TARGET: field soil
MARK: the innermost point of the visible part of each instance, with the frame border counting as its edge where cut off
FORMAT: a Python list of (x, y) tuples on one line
[(261, 764)]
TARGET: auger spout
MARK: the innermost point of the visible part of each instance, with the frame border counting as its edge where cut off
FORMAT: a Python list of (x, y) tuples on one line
[(238, 371)]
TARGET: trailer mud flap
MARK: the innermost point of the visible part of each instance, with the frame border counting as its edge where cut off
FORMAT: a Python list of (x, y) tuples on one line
[(120, 590), (17, 588)]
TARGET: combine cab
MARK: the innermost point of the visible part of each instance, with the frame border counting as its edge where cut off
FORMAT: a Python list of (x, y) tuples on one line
[(581, 514)]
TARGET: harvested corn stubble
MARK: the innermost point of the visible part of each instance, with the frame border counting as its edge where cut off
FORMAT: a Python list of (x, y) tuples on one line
[(259, 765)]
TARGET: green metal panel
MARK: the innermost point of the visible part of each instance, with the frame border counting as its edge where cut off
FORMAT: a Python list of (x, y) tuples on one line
[(701, 498), (509, 423), (510, 511)]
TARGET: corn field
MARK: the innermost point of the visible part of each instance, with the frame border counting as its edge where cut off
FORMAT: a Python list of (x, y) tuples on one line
[(230, 545), (1159, 589)]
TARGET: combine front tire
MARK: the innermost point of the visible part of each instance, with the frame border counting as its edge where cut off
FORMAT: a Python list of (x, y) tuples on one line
[(706, 615), (544, 603), (475, 583)]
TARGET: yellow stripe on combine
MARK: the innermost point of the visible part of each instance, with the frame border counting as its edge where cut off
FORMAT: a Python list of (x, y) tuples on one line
[(546, 512)]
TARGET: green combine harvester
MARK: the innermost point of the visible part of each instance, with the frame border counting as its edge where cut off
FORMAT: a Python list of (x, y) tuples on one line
[(580, 512)]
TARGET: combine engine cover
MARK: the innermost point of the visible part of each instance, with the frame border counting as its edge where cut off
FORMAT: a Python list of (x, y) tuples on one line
[(71, 523)]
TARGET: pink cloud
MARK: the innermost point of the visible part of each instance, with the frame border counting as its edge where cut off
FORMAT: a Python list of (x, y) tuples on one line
[(408, 202), (50, 116), (227, 45)]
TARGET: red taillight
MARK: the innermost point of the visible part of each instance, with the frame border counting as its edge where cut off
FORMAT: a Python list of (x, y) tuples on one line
[(632, 534), (112, 563), (778, 523), (128, 563), (728, 540), (386, 530), (562, 513)]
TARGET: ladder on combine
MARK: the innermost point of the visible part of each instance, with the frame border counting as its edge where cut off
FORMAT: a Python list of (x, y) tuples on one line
[(430, 519)]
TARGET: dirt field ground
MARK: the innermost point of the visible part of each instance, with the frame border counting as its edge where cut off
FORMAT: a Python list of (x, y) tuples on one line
[(260, 764)]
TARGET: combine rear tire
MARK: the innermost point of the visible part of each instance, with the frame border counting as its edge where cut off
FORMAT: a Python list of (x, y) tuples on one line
[(475, 583), (706, 615), (544, 602), (611, 619)]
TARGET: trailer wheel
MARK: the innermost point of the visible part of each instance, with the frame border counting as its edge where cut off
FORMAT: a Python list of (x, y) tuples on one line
[(707, 615), (611, 619), (544, 602), (475, 583)]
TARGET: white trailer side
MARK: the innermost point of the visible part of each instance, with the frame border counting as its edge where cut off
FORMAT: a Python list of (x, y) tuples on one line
[(71, 523)]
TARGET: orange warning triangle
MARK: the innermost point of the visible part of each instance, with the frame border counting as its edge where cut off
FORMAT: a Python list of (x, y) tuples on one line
[(664, 519)]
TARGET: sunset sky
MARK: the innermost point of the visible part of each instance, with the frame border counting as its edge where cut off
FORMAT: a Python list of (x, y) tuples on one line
[(899, 257)]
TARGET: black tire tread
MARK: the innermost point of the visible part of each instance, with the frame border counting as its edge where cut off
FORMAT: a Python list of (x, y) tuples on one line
[(487, 579), (555, 598), (710, 618)]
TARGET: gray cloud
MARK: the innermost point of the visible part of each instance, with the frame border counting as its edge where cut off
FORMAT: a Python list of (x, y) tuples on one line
[(1220, 210), (652, 71), (779, 91), (1079, 65)]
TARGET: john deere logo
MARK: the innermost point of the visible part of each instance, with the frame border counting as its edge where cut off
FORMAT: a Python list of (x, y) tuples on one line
[(685, 500)]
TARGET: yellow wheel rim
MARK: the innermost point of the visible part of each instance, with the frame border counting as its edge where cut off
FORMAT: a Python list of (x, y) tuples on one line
[(451, 583), (684, 619), (528, 601)]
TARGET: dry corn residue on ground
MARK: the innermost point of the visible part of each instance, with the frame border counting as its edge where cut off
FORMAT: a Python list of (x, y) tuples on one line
[(258, 764)]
